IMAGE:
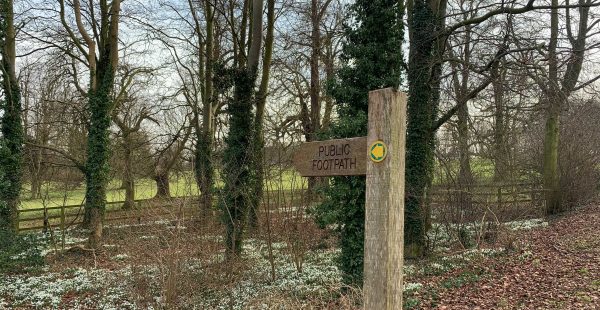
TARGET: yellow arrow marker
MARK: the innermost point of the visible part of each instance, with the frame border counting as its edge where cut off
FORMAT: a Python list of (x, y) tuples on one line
[(377, 151)]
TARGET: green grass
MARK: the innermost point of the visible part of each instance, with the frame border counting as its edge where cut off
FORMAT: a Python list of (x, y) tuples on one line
[(53, 195), (181, 185), (482, 169)]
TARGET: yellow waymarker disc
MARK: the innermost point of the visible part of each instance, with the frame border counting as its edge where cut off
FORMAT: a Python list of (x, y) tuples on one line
[(377, 151)]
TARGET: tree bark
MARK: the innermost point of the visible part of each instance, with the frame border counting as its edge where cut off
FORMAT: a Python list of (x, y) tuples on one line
[(163, 188), (204, 138), (261, 100), (165, 162), (557, 94), (100, 109), (422, 111), (239, 155), (465, 174), (550, 172), (12, 128), (128, 177), (501, 149)]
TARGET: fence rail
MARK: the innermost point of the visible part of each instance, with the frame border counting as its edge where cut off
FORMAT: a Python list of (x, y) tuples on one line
[(439, 196), (508, 199), (44, 218)]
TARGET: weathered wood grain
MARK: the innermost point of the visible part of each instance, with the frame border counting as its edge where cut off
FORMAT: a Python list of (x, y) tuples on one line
[(384, 210), (332, 157)]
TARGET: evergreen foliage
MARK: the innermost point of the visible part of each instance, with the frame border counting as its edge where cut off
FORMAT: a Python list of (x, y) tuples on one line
[(372, 59)]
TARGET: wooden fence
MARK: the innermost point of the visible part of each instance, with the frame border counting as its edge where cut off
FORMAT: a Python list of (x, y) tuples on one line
[(526, 197), (514, 199), (67, 215)]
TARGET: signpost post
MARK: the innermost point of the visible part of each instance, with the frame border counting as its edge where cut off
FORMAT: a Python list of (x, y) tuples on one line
[(379, 156)]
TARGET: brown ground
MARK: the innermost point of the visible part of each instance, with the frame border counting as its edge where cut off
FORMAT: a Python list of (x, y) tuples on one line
[(557, 267)]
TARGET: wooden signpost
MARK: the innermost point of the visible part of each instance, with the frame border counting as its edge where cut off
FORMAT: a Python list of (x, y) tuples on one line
[(379, 156), (332, 157)]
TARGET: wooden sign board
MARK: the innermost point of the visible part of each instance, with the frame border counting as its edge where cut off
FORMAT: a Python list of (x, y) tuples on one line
[(332, 157)]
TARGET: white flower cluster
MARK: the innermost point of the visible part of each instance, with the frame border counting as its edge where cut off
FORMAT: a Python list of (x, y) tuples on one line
[(120, 257), (527, 224), (409, 287), (150, 237), (46, 291), (318, 274)]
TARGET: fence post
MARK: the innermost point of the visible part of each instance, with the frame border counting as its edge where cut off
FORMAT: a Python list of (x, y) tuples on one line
[(500, 197), (62, 225)]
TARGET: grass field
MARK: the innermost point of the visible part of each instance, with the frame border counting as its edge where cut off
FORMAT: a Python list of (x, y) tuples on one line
[(181, 185)]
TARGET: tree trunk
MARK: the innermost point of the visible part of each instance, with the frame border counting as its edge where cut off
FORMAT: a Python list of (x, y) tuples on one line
[(315, 86), (553, 105), (420, 136), (261, 100), (95, 237), (550, 172), (163, 189), (35, 171), (239, 155), (204, 143), (238, 176), (501, 166), (557, 96), (204, 169), (36, 187), (465, 175), (128, 178), (329, 62), (98, 148), (12, 128), (100, 109)]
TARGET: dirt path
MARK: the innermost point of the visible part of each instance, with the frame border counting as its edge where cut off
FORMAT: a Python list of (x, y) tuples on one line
[(557, 267)]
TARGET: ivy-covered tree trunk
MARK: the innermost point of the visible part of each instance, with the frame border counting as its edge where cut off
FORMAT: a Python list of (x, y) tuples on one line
[(237, 171), (98, 148), (100, 106), (424, 21), (372, 59), (11, 125)]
